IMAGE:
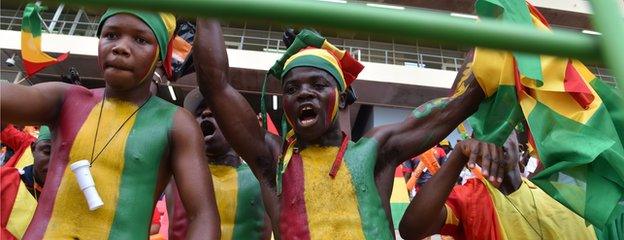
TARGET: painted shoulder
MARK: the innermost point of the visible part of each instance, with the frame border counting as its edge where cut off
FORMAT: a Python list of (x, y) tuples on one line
[(365, 147)]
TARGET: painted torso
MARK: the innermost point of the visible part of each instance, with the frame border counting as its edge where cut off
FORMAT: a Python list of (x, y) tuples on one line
[(125, 173), (237, 192), (316, 206)]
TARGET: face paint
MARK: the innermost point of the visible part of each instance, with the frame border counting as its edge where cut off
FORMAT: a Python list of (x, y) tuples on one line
[(151, 70), (332, 107), (286, 106)]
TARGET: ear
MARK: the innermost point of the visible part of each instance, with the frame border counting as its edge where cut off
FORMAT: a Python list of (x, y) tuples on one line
[(159, 72), (342, 101)]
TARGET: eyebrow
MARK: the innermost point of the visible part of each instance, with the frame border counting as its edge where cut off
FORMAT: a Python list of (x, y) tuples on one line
[(117, 28)]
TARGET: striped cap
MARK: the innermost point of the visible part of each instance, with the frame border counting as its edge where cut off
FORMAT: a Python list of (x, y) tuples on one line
[(162, 24), (311, 50)]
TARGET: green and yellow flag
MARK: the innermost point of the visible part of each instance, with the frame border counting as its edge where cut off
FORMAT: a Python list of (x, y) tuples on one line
[(574, 120), (33, 58)]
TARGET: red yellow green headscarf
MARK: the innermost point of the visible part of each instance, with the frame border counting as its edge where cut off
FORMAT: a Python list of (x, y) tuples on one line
[(311, 50), (162, 24)]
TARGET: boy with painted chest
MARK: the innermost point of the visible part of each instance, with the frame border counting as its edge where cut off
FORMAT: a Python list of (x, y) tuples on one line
[(133, 141)]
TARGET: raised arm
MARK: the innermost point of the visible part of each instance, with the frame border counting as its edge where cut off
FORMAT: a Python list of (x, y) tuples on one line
[(34, 105), (431, 122), (190, 170), (236, 118), (426, 213)]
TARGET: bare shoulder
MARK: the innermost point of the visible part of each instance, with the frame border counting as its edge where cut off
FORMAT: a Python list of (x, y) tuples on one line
[(53, 89), (184, 124)]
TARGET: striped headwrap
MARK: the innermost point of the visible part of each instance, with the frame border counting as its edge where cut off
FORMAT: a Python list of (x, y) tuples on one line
[(309, 49), (162, 24)]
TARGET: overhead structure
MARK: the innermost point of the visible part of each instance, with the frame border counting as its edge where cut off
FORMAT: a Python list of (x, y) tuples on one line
[(415, 24)]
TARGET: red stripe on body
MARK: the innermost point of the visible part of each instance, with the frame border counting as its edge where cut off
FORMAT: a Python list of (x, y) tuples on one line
[(293, 217), (330, 108), (577, 87), (78, 103)]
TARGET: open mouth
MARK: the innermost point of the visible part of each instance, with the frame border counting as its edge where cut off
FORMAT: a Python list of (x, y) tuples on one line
[(307, 116), (208, 129)]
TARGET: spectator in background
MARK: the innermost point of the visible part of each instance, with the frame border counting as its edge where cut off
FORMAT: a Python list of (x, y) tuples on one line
[(427, 164), (35, 174), (237, 190), (21, 188), (508, 208), (409, 166)]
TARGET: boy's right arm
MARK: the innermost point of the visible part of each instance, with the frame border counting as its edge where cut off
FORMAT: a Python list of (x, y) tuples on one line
[(33, 105), (426, 213), (235, 117)]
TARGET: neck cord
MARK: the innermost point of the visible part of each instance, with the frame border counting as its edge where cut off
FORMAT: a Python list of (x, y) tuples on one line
[(117, 131)]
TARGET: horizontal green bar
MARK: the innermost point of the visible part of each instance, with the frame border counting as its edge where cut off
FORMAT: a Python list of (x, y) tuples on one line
[(408, 23)]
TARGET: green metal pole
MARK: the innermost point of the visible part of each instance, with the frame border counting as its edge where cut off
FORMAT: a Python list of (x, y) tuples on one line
[(408, 23), (610, 23)]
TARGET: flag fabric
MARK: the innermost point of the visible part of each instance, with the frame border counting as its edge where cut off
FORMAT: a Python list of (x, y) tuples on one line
[(17, 205), (478, 210), (399, 200), (574, 120), (20, 142), (33, 58)]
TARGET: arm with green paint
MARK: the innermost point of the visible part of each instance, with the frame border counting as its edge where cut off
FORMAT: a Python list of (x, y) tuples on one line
[(429, 123), (233, 113)]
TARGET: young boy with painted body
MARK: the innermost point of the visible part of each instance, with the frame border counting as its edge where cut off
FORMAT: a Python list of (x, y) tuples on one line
[(321, 185), (134, 141)]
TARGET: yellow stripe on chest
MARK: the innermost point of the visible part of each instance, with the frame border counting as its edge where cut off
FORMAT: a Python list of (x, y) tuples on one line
[(331, 204), (225, 181), (71, 216)]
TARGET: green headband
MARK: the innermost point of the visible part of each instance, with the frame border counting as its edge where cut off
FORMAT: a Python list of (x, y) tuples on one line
[(44, 133), (153, 20)]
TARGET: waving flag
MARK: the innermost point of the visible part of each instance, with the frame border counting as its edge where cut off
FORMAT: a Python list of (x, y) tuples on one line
[(574, 120), (35, 60)]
